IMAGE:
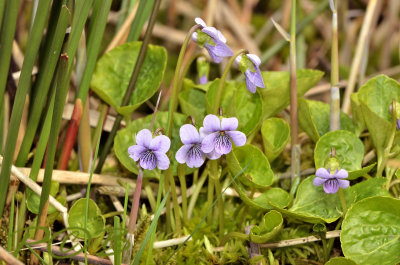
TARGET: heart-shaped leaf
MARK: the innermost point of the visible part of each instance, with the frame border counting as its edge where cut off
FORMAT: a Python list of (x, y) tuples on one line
[(113, 72), (270, 225), (276, 95), (357, 114), (370, 188), (95, 221), (193, 102), (275, 134), (349, 150), (314, 118), (126, 138), (371, 231), (228, 93), (258, 174)]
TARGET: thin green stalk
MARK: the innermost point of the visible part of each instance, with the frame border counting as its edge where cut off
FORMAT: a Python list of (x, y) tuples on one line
[(95, 36), (208, 212), (335, 93), (6, 40), (2, 6), (182, 180), (218, 190), (343, 201), (197, 188), (21, 219), (36, 254), (88, 190), (126, 201), (231, 235), (175, 85), (141, 17), (117, 238), (149, 233), (131, 86), (178, 225), (223, 78), (34, 40), (61, 93), (11, 224), (295, 158), (210, 195), (159, 195), (278, 46), (126, 8), (149, 192), (43, 82)]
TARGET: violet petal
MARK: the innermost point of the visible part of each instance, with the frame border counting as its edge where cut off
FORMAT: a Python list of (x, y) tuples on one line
[(162, 160), (342, 174), (229, 124), (208, 145), (144, 138), (237, 137), (160, 143), (331, 186), (223, 144), (318, 181), (189, 134), (135, 151), (181, 154), (211, 123), (343, 183), (323, 173)]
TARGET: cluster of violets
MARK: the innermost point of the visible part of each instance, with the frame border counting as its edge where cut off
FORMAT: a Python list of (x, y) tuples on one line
[(212, 140), (215, 43), (215, 138)]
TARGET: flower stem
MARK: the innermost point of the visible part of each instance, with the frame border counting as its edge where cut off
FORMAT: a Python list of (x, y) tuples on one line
[(159, 195), (178, 225), (210, 196), (197, 188), (343, 201), (223, 78), (182, 180), (295, 158), (335, 94), (218, 190), (167, 174), (175, 85), (135, 203)]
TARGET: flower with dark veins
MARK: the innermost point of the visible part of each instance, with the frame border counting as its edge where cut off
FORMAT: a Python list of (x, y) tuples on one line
[(151, 152), (249, 64), (213, 40), (190, 153), (220, 134), (331, 182)]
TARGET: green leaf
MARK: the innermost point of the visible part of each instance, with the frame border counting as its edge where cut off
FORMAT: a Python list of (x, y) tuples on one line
[(126, 138), (113, 72), (275, 134), (314, 118), (371, 231), (189, 83), (268, 200), (270, 225), (340, 261), (313, 205), (248, 109), (228, 93), (33, 200), (95, 221), (378, 94), (357, 114), (276, 95), (258, 174), (193, 102), (349, 150), (370, 188)]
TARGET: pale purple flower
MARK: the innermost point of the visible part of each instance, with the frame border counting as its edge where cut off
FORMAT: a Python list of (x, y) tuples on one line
[(331, 182), (190, 153), (220, 135), (219, 48), (150, 152), (252, 72)]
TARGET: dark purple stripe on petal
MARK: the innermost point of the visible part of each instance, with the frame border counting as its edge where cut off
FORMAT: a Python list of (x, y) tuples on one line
[(223, 144)]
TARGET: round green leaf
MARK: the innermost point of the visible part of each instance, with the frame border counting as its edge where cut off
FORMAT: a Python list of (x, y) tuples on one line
[(314, 118), (113, 72), (248, 109), (193, 102), (340, 261), (228, 93), (272, 198), (275, 134), (349, 150), (371, 231), (258, 174), (276, 94), (95, 221), (270, 225), (126, 138)]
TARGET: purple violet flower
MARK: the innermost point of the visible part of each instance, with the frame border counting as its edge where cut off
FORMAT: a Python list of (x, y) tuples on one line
[(203, 80), (151, 152), (219, 135), (331, 182), (213, 40), (249, 65), (190, 153)]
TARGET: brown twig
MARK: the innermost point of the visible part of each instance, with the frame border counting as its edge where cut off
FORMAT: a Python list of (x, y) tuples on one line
[(8, 258)]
